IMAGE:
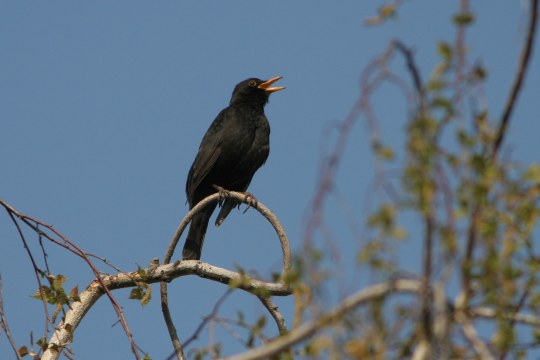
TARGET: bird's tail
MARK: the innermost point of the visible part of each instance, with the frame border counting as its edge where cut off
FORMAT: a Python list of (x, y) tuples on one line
[(225, 210), (197, 231)]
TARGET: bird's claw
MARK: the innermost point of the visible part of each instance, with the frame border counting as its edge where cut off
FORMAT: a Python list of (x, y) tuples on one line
[(250, 200), (223, 194)]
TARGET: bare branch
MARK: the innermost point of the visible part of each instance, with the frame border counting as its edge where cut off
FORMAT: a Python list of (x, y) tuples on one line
[(213, 314), (488, 313), (472, 336), (4, 324), (413, 70), (177, 345), (11, 213), (274, 311), (241, 198)]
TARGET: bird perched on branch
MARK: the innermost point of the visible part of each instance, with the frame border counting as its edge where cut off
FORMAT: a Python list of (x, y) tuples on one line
[(235, 145)]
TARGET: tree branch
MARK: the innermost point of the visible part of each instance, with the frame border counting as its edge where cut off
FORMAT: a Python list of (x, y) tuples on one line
[(488, 313), (518, 80), (241, 198), (67, 244), (64, 332), (306, 330), (374, 292), (207, 318), (273, 310), (472, 336), (4, 324)]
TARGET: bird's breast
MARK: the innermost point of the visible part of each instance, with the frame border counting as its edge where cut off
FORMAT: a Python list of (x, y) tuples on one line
[(245, 148)]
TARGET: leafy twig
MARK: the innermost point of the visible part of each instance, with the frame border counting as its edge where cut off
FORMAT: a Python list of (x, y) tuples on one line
[(35, 225)]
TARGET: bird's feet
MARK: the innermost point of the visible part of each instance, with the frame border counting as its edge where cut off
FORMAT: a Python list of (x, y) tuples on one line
[(223, 194), (250, 200)]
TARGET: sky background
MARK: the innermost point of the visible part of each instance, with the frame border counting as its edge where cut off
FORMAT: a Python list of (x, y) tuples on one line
[(103, 105)]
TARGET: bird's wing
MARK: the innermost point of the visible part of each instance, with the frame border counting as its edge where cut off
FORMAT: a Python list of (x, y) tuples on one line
[(209, 152), (204, 161)]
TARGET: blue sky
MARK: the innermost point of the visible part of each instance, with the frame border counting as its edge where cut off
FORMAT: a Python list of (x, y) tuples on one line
[(103, 106)]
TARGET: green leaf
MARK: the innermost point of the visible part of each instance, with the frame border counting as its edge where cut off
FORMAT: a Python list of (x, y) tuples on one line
[(136, 293), (142, 273), (57, 281), (41, 341), (399, 233), (479, 73), (436, 85), (261, 322), (445, 50), (464, 18), (43, 293), (384, 152), (384, 217), (442, 102), (533, 174), (387, 10)]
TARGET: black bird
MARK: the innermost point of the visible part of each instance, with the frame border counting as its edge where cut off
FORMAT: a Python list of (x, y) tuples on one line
[(235, 145)]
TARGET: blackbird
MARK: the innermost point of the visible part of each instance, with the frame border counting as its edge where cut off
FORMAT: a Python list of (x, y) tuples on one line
[(236, 144)]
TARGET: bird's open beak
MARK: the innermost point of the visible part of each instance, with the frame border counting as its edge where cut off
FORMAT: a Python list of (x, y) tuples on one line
[(266, 85)]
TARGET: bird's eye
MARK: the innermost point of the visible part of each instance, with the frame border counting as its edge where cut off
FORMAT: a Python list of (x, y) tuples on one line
[(252, 83)]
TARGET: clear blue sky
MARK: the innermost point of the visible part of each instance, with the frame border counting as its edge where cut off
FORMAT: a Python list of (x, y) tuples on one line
[(103, 105)]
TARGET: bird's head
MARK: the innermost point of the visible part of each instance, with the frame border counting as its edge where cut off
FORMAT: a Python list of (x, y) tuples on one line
[(255, 91)]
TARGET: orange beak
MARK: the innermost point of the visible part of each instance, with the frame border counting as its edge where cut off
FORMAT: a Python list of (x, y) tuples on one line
[(266, 85)]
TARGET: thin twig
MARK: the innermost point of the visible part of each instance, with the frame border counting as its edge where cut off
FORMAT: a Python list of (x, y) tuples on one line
[(518, 80), (327, 173), (415, 73), (461, 55), (489, 313), (207, 318), (37, 271), (273, 310), (4, 323), (173, 334), (35, 225)]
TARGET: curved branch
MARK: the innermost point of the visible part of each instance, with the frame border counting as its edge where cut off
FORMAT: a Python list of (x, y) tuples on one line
[(94, 291), (308, 329), (241, 198), (371, 293), (273, 310), (518, 80), (64, 332)]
